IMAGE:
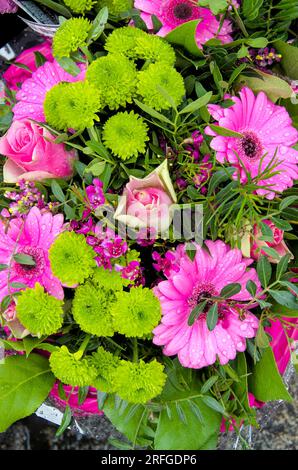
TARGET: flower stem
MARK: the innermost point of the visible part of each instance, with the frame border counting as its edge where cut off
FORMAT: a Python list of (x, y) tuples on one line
[(135, 357)]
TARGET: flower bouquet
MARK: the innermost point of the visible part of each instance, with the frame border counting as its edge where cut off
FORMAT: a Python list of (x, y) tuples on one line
[(147, 241)]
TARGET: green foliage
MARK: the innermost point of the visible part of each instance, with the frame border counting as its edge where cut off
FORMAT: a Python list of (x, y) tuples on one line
[(263, 373), (24, 385)]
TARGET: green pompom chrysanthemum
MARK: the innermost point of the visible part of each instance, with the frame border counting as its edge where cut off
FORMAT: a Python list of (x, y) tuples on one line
[(71, 258), (139, 382), (109, 280), (154, 49), (123, 41), (76, 107), (125, 134), (70, 36), (80, 6), (136, 44), (51, 107), (164, 76), (136, 313), (106, 364), (116, 6), (71, 369), (91, 309), (39, 312), (116, 79)]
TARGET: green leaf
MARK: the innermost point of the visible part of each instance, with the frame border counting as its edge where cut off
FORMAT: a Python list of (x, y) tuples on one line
[(285, 298), (212, 317), (31, 343), (282, 224), (240, 387), (219, 177), (230, 290), (197, 104), (22, 258), (12, 345), (60, 9), (287, 202), (214, 404), (96, 168), (69, 65), (225, 132), (262, 340), (273, 86), (194, 314), (251, 287), (57, 191), (191, 250), (101, 398), (3, 267), (66, 420), (289, 60), (257, 42), (209, 384), (130, 428), (98, 24), (185, 36), (265, 381), (266, 231), (290, 285), (152, 112), (40, 59), (250, 8), (282, 311), (24, 385), (18, 285), (215, 6), (271, 252), (264, 270)]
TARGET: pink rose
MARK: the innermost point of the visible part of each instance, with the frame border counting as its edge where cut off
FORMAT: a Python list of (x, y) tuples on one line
[(146, 203), (15, 75), (32, 155), (278, 243)]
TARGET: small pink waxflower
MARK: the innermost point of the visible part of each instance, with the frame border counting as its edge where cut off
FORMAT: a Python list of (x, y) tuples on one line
[(205, 277), (95, 194), (32, 94), (173, 13), (31, 236), (268, 137)]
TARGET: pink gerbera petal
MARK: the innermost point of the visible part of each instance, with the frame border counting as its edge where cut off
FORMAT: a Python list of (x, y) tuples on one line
[(32, 236), (195, 345), (173, 13), (268, 135), (32, 94)]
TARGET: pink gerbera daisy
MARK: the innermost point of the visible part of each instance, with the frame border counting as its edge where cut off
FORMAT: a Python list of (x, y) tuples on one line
[(33, 91), (173, 13), (268, 135), (202, 278), (32, 236)]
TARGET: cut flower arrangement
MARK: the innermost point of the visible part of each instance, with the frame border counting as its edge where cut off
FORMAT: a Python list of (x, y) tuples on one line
[(148, 214)]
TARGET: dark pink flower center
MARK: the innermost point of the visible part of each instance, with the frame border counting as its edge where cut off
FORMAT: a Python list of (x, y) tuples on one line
[(183, 11), (175, 12), (200, 293), (28, 271), (250, 146)]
